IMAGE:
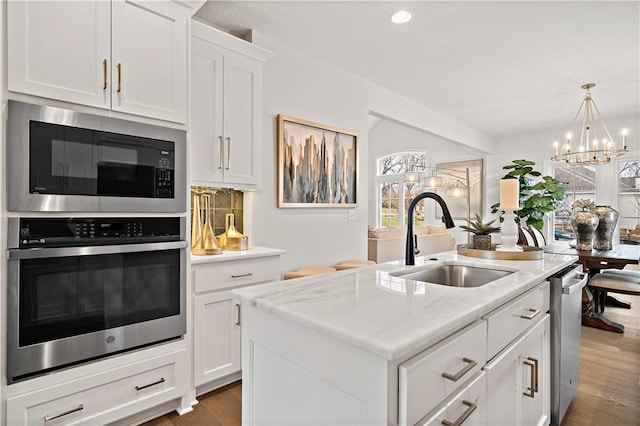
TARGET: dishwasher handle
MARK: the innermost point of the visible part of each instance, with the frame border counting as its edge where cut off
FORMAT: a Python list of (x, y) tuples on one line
[(582, 281)]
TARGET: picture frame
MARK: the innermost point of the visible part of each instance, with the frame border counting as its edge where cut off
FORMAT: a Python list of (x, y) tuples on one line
[(317, 165), (454, 174)]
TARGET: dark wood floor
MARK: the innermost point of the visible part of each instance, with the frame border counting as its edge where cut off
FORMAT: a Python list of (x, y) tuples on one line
[(609, 391)]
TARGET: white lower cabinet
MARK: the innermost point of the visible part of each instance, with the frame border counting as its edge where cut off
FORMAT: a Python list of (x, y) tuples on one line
[(293, 374), (518, 380), (217, 339), (103, 397), (216, 346)]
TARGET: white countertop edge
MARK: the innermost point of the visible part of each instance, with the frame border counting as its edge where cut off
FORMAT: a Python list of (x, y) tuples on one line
[(252, 252), (443, 323)]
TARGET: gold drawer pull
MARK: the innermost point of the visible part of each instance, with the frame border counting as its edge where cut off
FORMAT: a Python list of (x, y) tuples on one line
[(455, 377), (530, 392), (139, 388), (57, 416), (221, 152), (464, 416), (104, 74), (119, 69), (532, 315), (248, 274), (535, 366), (237, 314)]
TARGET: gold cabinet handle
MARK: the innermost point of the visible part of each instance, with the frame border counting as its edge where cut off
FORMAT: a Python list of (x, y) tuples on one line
[(104, 74), (471, 408), (530, 392), (455, 377), (57, 416), (221, 152), (119, 68), (248, 274), (237, 314), (535, 367), (532, 315), (228, 152), (157, 382)]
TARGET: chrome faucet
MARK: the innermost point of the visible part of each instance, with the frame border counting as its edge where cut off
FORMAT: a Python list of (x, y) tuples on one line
[(410, 255)]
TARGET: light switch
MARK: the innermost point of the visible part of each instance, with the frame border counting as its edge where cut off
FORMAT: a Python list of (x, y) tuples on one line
[(352, 214)]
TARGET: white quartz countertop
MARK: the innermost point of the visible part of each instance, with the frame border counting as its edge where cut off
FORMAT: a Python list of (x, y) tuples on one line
[(252, 252), (394, 317)]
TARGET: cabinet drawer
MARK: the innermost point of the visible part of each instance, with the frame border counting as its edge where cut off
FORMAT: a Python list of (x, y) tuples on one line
[(468, 406), (508, 322), (431, 376), (101, 398), (233, 273)]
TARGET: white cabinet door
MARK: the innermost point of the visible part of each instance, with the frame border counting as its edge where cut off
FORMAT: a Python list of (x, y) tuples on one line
[(60, 50), (225, 109), (217, 337), (205, 114), (513, 397), (536, 361), (121, 55), (149, 59), (242, 78)]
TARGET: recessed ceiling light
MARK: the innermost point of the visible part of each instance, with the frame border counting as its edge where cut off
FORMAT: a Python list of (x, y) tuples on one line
[(401, 17)]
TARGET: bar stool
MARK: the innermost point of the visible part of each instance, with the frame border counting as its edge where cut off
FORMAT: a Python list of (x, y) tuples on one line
[(350, 264), (307, 271)]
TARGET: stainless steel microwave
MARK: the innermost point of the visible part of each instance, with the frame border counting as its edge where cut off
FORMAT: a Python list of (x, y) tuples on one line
[(63, 160)]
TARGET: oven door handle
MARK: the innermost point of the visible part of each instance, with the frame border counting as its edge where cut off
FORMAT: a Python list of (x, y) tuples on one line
[(40, 253)]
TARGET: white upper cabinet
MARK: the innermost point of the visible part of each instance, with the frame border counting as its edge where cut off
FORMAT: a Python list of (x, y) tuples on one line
[(120, 55), (225, 107)]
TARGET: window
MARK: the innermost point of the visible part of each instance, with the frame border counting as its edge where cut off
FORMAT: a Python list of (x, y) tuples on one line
[(629, 201), (393, 193), (580, 183)]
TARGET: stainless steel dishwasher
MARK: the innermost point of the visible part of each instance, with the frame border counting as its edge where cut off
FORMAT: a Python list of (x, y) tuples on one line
[(566, 311)]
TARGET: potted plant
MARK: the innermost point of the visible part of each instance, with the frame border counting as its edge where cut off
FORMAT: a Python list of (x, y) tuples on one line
[(537, 198), (481, 232)]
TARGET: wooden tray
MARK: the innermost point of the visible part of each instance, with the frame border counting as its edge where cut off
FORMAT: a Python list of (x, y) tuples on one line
[(528, 253)]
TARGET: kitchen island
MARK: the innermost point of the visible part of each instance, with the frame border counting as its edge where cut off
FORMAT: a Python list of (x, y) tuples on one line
[(359, 346)]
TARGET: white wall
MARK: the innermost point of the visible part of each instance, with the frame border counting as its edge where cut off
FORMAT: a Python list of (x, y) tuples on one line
[(298, 85)]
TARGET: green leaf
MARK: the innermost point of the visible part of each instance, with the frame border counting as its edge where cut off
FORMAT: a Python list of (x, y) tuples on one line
[(524, 162)]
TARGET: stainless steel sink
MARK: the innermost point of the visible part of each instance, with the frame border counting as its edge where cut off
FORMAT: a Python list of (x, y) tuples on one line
[(455, 275)]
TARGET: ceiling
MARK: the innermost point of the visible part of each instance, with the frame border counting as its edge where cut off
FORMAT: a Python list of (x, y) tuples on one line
[(499, 67)]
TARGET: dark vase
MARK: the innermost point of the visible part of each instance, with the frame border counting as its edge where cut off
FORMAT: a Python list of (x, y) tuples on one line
[(607, 220), (481, 242), (584, 224)]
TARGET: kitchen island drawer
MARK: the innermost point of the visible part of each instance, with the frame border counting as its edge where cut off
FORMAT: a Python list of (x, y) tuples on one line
[(233, 273), (431, 376), (508, 322), (103, 397), (468, 406)]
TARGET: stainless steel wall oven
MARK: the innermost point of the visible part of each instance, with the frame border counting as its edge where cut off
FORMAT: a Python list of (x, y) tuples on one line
[(84, 288), (62, 160)]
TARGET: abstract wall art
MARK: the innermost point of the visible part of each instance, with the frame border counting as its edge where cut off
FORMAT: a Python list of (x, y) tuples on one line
[(317, 164)]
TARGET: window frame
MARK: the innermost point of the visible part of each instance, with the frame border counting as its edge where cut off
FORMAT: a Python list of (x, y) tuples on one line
[(398, 178)]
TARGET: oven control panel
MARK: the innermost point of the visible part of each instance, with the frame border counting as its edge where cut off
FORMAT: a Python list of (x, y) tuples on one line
[(57, 232)]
